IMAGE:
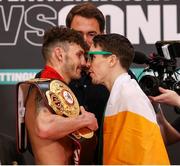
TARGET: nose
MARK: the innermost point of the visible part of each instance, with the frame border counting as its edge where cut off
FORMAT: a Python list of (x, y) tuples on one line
[(83, 62), (88, 64), (87, 39)]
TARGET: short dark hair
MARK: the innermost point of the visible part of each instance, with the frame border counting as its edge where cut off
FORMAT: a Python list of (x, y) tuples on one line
[(118, 45), (61, 35), (87, 10)]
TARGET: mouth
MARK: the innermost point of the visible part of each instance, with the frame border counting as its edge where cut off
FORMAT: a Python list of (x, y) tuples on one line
[(85, 68)]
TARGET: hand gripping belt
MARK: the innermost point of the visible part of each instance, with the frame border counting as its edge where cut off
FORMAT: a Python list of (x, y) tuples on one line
[(60, 100)]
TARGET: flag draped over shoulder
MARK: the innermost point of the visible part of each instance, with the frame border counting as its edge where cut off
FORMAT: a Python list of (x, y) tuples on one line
[(131, 134)]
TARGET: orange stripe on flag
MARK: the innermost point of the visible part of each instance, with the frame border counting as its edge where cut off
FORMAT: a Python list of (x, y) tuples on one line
[(132, 139)]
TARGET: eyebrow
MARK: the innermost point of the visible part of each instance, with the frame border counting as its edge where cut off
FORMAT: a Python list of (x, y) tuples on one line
[(92, 32)]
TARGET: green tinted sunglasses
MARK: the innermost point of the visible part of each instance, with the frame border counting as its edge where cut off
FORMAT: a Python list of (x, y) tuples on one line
[(90, 54)]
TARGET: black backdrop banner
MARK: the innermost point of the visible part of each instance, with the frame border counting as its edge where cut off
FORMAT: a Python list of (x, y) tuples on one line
[(23, 22)]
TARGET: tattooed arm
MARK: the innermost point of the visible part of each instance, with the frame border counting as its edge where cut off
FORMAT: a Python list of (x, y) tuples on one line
[(52, 126)]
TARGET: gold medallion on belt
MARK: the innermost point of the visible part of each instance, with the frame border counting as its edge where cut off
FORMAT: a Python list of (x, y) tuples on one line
[(63, 101)]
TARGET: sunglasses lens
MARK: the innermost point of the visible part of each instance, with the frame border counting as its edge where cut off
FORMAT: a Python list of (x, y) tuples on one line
[(90, 57)]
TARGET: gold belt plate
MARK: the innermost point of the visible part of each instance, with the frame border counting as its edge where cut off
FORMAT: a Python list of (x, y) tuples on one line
[(62, 99)]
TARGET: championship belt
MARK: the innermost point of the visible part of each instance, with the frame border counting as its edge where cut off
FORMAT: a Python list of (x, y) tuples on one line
[(59, 99)]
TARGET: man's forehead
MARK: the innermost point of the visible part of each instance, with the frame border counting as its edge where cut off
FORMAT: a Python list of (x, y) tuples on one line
[(85, 25)]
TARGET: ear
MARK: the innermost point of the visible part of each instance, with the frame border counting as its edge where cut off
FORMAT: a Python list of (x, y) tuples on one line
[(58, 53), (113, 60)]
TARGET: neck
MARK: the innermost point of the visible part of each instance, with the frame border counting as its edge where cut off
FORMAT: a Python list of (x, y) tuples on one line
[(112, 77), (58, 69)]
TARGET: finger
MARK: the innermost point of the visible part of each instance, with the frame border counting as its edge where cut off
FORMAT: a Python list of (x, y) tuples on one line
[(162, 90), (156, 98), (82, 110), (152, 98)]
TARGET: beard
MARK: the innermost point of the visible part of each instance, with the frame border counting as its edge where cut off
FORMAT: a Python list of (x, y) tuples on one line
[(73, 71)]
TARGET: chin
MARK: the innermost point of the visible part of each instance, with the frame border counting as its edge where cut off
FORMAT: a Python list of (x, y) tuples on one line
[(77, 76), (94, 81)]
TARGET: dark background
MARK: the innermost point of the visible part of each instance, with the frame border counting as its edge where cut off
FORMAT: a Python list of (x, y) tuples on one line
[(24, 55)]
